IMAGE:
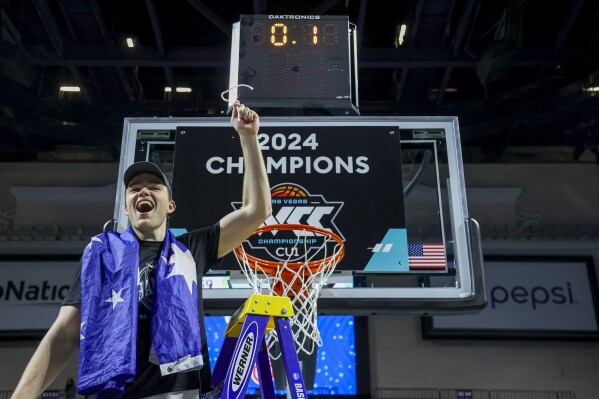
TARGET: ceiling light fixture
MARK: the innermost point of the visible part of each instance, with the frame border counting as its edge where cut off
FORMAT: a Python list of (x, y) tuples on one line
[(169, 89), (401, 34), (447, 90), (70, 88), (131, 42)]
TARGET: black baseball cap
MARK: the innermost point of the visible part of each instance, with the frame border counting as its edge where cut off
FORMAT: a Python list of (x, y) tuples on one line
[(138, 168)]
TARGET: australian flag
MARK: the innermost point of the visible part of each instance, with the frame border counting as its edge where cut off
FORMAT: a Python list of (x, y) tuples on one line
[(109, 301)]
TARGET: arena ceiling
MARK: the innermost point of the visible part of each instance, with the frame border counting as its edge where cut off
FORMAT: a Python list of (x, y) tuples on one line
[(519, 74)]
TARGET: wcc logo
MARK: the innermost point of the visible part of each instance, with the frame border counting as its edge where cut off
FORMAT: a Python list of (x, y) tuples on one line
[(293, 204)]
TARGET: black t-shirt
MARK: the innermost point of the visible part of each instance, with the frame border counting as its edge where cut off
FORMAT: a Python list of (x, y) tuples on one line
[(203, 245)]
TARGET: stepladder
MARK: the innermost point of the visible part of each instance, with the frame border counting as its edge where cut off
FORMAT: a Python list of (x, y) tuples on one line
[(245, 345)]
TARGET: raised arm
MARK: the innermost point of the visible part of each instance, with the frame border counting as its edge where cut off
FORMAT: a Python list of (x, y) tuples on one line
[(256, 206), (51, 355)]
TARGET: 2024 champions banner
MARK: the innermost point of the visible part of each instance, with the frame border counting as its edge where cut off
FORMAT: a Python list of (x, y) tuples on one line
[(341, 177)]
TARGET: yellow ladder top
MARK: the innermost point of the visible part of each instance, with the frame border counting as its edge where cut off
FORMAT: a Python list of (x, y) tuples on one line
[(258, 304)]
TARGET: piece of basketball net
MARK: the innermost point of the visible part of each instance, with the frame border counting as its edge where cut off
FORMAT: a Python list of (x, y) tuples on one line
[(299, 280)]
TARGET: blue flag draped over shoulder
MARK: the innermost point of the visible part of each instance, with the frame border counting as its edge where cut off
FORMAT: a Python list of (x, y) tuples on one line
[(109, 312)]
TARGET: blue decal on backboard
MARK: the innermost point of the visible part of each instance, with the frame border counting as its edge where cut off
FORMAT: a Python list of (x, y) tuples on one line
[(177, 232), (391, 254)]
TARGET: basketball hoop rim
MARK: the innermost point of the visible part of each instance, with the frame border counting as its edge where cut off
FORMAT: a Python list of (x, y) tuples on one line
[(314, 265)]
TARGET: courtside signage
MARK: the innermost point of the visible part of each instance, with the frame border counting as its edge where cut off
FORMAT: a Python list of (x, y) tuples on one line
[(31, 292), (533, 296)]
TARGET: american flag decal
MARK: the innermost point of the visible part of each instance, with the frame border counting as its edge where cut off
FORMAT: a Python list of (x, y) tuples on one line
[(427, 256)]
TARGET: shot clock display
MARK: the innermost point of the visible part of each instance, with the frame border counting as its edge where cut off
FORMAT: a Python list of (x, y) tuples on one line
[(295, 61)]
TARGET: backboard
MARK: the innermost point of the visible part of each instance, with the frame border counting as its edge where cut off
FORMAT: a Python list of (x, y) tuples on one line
[(391, 187)]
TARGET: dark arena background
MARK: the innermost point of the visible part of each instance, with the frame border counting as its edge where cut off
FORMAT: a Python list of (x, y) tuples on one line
[(517, 79)]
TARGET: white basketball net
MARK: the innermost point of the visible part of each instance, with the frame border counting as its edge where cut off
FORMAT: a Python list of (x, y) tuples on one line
[(303, 297)]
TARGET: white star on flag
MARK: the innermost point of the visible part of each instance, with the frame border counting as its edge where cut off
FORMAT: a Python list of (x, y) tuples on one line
[(81, 332), (116, 298), (184, 265), (92, 241)]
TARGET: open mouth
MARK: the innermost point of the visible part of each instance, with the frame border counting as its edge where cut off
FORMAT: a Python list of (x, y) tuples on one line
[(144, 206)]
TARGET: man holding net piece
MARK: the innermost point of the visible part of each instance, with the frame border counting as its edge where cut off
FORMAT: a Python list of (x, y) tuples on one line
[(133, 307)]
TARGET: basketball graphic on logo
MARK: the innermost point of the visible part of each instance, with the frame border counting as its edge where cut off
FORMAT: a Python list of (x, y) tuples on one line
[(288, 190)]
